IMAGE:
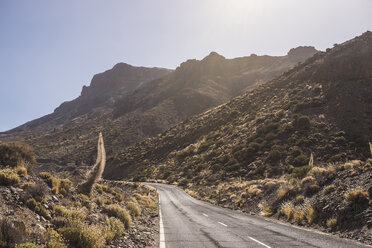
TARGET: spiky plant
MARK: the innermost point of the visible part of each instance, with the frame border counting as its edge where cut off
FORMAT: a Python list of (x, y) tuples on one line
[(96, 172), (311, 160)]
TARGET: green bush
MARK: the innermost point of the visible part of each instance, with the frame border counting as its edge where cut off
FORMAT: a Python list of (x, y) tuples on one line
[(8, 177), (15, 153)]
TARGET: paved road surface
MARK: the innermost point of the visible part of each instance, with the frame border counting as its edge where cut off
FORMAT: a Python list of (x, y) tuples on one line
[(187, 222)]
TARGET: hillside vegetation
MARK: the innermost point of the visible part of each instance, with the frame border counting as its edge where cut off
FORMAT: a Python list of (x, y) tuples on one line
[(44, 210), (296, 148), (130, 103)]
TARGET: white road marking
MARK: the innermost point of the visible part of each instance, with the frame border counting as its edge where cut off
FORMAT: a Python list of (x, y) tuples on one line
[(221, 223), (206, 215), (161, 228), (255, 240)]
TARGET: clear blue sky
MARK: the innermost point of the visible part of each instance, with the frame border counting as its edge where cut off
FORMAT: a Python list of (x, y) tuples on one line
[(50, 49)]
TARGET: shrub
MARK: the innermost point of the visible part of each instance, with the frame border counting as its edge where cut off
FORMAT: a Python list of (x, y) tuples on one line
[(312, 189), (53, 239), (307, 180), (134, 208), (274, 156), (332, 223), (321, 173), (99, 201), (21, 170), (287, 208), (266, 210), (15, 153), (300, 199), (184, 182), (302, 122), (52, 181), (65, 186), (356, 196), (28, 245), (253, 190), (28, 185), (37, 207), (99, 188), (81, 235), (113, 229), (335, 158), (282, 191), (301, 160), (301, 214), (12, 232), (71, 214), (300, 172), (146, 201), (232, 167), (328, 189), (117, 211), (270, 185), (8, 177)]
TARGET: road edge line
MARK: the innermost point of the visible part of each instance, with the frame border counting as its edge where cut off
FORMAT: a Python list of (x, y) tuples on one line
[(161, 228)]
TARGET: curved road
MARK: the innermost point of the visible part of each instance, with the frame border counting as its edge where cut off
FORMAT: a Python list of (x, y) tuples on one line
[(187, 222)]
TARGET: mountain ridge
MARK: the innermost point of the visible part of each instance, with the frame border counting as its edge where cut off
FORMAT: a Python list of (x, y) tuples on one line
[(148, 109)]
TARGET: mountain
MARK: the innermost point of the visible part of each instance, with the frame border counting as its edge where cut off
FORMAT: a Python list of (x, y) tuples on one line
[(105, 89), (130, 103), (296, 147)]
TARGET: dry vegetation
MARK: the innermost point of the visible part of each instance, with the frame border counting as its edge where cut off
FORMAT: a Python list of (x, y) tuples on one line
[(47, 211)]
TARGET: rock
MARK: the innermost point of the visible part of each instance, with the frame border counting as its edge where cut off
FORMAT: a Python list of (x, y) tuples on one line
[(15, 190), (40, 227)]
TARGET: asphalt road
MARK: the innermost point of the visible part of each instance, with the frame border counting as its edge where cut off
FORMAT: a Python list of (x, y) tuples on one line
[(187, 222)]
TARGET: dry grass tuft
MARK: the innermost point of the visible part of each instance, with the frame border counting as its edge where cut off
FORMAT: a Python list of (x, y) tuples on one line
[(303, 213), (265, 208), (253, 190), (356, 196), (332, 223), (8, 177), (117, 211), (133, 207)]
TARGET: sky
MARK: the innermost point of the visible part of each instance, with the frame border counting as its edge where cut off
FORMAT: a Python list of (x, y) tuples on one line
[(50, 49)]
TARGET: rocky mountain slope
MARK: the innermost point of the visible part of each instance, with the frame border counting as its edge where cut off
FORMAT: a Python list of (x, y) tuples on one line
[(295, 148), (129, 103)]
